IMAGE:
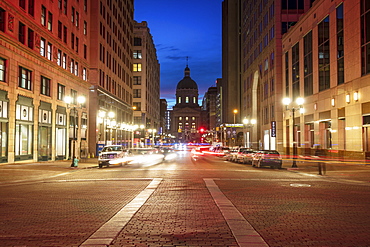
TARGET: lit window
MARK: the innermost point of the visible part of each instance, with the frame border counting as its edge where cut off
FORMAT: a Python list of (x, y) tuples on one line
[(49, 55), (187, 100), (25, 78), (42, 47), (137, 67), (137, 54), (2, 69)]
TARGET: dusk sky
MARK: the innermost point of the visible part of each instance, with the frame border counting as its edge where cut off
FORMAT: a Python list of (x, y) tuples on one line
[(180, 29)]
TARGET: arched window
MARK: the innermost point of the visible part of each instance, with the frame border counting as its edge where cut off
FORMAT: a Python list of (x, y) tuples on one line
[(187, 100), (179, 100)]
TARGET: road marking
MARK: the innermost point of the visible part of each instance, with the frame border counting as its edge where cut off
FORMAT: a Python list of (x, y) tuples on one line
[(109, 231), (243, 232)]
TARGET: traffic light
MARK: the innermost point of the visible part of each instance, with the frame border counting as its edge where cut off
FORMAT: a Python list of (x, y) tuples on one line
[(201, 130)]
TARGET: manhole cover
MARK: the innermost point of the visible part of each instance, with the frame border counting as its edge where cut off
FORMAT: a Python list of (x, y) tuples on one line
[(300, 185)]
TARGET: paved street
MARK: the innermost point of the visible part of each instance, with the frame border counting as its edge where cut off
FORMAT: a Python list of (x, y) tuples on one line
[(202, 201)]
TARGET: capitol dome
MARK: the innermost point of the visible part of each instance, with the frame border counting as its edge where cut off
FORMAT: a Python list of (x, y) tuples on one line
[(187, 82)]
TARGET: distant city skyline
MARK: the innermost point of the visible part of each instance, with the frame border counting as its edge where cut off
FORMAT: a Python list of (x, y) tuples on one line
[(184, 29)]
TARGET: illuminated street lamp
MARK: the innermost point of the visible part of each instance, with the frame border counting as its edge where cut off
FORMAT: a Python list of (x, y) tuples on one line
[(299, 102), (152, 131), (73, 105), (235, 111), (249, 123), (103, 118)]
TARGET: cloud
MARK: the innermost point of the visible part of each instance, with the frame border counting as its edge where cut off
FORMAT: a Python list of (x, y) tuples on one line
[(162, 47), (176, 57)]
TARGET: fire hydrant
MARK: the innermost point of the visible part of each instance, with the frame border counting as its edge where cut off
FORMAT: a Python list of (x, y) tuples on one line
[(75, 162)]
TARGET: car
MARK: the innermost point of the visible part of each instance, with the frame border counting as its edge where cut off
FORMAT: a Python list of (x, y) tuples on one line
[(246, 156), (236, 156), (231, 154), (113, 154), (270, 158)]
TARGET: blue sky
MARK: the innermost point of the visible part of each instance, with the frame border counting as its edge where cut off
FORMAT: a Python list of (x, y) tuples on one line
[(180, 29)]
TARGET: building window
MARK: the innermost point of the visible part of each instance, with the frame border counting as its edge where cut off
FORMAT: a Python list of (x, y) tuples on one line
[(84, 74), (64, 61), (77, 44), (43, 15), (45, 86), (179, 100), (77, 19), (85, 5), (50, 52), (137, 80), (30, 38), (65, 34), (137, 67), (85, 51), (60, 30), (61, 91), (25, 78), (186, 100), (21, 33), (137, 93), (137, 106), (2, 20), (73, 15), (2, 69), (22, 4), (308, 64), (65, 5), (31, 7), (73, 41), (295, 71), (340, 45), (137, 54), (42, 47), (137, 41), (365, 37), (85, 28), (50, 21), (287, 74), (72, 65), (324, 55), (194, 100), (76, 68), (59, 58)]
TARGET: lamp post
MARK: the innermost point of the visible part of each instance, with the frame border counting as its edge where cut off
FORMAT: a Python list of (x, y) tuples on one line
[(235, 111), (73, 105), (249, 123), (152, 131), (299, 102), (105, 117)]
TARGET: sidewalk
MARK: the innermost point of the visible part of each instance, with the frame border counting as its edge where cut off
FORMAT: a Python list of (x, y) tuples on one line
[(354, 171)]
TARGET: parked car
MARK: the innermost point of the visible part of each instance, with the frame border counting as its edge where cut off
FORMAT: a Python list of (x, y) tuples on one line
[(231, 154), (239, 152), (246, 156), (269, 158), (113, 154)]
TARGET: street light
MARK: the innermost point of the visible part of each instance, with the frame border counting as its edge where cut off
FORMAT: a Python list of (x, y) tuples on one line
[(104, 117), (235, 111), (249, 123), (299, 102), (152, 131), (80, 101)]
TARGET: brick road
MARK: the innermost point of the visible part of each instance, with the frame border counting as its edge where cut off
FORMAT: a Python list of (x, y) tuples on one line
[(284, 208)]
